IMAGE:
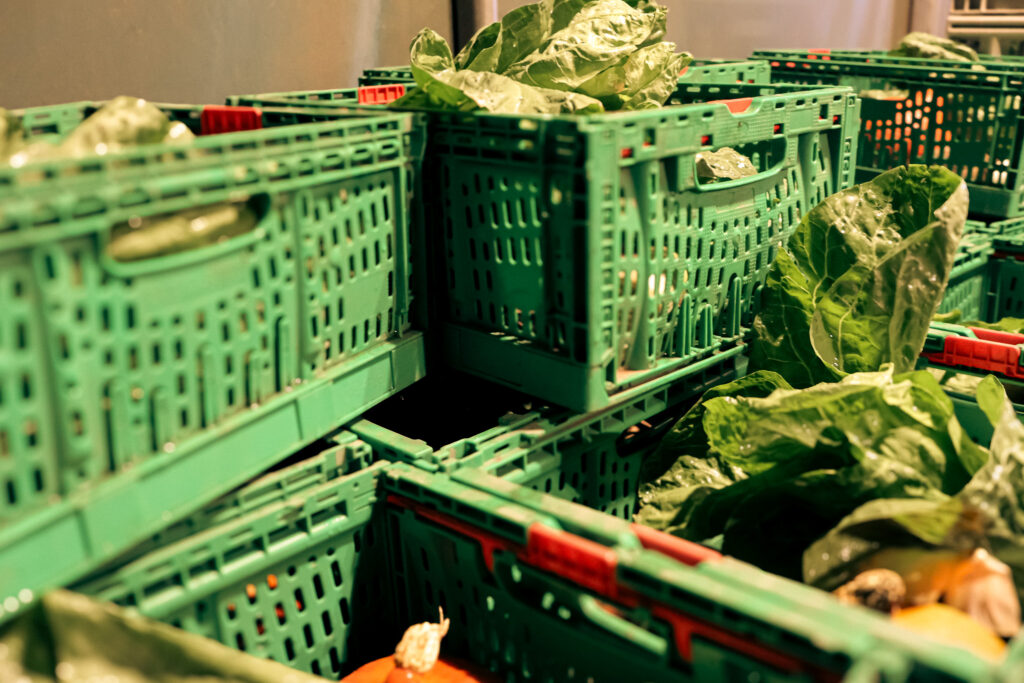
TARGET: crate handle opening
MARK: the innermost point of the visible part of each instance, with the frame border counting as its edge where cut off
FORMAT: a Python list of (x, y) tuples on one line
[(774, 152), (604, 617), (156, 243)]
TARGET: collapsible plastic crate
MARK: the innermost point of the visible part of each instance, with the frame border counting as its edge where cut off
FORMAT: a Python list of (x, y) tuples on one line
[(133, 392), (952, 114), (968, 288), (345, 550), (583, 256)]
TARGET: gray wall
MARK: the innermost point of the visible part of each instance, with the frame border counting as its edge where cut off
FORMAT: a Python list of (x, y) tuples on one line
[(734, 28), (199, 51)]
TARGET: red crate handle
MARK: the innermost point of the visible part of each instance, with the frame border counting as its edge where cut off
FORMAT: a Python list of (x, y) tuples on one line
[(737, 105), (224, 119), (687, 552), (993, 351), (380, 94)]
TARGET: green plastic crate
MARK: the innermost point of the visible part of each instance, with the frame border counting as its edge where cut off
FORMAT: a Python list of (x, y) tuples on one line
[(582, 257), (965, 119), (310, 566), (599, 290), (132, 393), (968, 288), (291, 567), (721, 71)]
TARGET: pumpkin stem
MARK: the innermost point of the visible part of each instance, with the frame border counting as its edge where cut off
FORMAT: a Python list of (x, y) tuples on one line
[(421, 645)]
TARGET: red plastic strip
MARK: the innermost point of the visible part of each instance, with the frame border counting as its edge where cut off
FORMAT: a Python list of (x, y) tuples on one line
[(488, 542), (998, 336), (980, 354), (223, 119), (736, 106), (685, 627), (677, 548), (380, 94), (826, 51), (572, 557)]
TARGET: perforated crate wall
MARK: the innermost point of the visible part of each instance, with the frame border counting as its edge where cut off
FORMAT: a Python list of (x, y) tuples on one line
[(583, 257), (299, 578), (132, 359), (948, 113)]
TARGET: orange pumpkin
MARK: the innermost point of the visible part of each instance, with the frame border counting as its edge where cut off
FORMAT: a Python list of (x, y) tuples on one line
[(451, 671), (416, 661)]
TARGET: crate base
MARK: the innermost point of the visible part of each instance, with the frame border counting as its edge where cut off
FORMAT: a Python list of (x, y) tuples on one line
[(560, 381), (94, 525)]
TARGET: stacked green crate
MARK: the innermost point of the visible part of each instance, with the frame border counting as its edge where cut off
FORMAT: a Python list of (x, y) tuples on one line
[(966, 117), (133, 391)]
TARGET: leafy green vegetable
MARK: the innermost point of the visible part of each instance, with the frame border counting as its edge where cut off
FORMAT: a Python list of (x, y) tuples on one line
[(553, 56), (861, 277), (61, 637), (163, 235), (1015, 325), (775, 473), (120, 123), (988, 510), (724, 164), (927, 46)]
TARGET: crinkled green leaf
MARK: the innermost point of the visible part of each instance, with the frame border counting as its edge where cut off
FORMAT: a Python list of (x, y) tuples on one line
[(601, 34), (605, 52), (482, 90), (681, 472), (927, 46), (643, 80), (505, 42), (988, 510), (774, 473), (429, 54), (724, 164), (120, 123), (861, 277), (838, 556)]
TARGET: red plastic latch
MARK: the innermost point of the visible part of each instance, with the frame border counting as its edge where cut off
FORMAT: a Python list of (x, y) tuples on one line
[(993, 351), (677, 548), (685, 69), (736, 106), (684, 628), (488, 542), (223, 119), (380, 94), (577, 559)]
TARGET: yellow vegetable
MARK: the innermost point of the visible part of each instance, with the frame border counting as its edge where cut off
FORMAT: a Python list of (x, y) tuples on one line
[(950, 625)]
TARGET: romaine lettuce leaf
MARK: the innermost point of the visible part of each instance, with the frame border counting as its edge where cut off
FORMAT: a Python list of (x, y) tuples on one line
[(861, 277), (775, 473), (553, 56)]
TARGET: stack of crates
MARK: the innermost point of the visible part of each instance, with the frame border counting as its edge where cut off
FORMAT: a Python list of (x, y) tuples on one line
[(132, 392), (962, 116), (992, 26), (579, 284)]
